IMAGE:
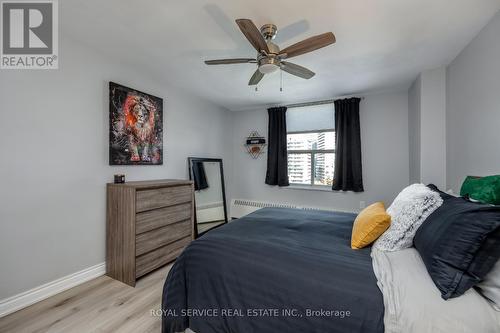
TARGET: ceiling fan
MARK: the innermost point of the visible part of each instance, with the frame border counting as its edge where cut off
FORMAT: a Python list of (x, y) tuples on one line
[(269, 56)]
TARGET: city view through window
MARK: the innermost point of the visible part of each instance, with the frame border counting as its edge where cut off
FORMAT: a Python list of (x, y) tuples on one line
[(311, 157)]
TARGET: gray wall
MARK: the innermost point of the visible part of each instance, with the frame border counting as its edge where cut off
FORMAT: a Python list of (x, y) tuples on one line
[(54, 164), (414, 129), (384, 138), (433, 127), (427, 128), (473, 108)]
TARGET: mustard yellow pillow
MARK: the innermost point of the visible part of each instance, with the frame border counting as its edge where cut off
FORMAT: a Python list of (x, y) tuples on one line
[(369, 225)]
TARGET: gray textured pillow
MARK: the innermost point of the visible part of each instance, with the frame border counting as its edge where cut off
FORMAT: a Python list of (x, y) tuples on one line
[(408, 211), (490, 286)]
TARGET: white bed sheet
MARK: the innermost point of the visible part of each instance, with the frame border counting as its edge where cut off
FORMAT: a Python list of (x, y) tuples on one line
[(413, 303)]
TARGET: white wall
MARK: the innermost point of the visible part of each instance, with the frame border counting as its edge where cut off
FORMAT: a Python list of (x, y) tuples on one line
[(473, 108), (414, 129), (427, 128), (384, 139), (54, 164), (433, 126)]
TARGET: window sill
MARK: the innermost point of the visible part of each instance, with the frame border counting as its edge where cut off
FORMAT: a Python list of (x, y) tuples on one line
[(321, 188)]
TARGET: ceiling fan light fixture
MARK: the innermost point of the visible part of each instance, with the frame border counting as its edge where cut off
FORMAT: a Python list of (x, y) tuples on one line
[(268, 64), (268, 68)]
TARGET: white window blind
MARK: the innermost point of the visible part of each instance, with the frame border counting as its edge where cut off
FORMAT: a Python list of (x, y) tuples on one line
[(311, 118), (311, 145)]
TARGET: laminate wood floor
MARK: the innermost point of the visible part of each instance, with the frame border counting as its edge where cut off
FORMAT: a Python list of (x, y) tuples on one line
[(101, 305), (202, 227)]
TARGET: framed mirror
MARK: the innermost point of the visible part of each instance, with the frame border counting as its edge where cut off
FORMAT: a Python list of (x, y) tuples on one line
[(209, 196)]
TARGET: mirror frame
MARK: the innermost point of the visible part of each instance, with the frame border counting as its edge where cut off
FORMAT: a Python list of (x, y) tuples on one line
[(190, 169)]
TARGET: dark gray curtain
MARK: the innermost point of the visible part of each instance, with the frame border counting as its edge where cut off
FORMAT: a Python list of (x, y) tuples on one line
[(199, 176), (277, 163), (348, 169)]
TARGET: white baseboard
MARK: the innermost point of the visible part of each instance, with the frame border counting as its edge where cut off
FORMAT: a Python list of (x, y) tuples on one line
[(24, 299)]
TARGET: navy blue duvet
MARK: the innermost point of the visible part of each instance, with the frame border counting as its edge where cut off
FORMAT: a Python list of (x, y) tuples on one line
[(275, 270)]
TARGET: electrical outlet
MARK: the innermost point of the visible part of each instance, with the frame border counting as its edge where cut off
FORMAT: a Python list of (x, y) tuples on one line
[(362, 205)]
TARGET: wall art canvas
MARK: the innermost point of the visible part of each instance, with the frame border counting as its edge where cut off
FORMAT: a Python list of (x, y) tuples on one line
[(135, 127)]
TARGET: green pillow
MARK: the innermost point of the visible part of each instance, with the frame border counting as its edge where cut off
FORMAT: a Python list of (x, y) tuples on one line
[(485, 189)]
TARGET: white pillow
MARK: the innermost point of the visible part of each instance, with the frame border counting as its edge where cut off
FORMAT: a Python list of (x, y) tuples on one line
[(408, 211)]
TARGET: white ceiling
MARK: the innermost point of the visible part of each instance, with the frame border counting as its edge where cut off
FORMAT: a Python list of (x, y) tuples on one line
[(381, 44)]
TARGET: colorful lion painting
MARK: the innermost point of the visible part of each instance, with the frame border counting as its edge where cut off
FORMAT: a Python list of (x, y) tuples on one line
[(136, 127)]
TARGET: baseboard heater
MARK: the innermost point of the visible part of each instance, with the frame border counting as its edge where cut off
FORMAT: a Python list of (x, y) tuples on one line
[(242, 207)]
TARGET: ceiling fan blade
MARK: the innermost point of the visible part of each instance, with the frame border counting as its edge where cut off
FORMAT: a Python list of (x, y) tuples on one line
[(252, 34), (297, 70), (256, 77), (308, 45), (230, 61)]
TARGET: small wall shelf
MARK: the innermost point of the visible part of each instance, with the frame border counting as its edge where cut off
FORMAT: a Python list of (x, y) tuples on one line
[(255, 144)]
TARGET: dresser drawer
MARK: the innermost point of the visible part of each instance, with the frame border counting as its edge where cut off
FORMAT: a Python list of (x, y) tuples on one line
[(159, 257), (162, 197), (157, 218), (156, 238)]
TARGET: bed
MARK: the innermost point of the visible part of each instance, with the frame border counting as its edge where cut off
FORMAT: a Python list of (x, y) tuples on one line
[(275, 270), (289, 270)]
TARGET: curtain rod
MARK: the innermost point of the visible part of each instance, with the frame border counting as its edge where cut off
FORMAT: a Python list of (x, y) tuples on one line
[(326, 101)]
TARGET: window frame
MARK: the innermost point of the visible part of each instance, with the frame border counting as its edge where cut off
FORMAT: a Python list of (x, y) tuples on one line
[(312, 152)]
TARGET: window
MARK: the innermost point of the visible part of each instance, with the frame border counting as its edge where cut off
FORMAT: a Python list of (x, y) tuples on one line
[(311, 145)]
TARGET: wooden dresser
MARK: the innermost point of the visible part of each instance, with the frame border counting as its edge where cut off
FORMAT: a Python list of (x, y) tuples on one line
[(148, 225)]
